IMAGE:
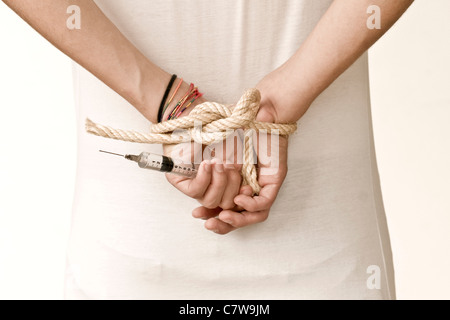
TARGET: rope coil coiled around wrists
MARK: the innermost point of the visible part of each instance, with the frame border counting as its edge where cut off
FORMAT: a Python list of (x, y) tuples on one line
[(208, 123)]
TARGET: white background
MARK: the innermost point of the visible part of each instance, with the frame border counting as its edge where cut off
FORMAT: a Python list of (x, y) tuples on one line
[(410, 83), (410, 75)]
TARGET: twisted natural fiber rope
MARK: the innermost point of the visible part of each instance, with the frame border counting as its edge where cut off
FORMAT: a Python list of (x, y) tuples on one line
[(207, 123)]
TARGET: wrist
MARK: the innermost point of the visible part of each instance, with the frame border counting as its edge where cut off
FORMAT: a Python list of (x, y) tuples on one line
[(146, 95), (180, 94), (281, 102)]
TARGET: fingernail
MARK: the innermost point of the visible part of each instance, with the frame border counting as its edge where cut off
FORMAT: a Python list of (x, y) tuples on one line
[(218, 167), (216, 230), (228, 221), (198, 216), (229, 166), (207, 167)]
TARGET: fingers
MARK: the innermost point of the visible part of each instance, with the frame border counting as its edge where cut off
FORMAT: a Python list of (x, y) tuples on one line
[(196, 187), (205, 213), (214, 193), (261, 202), (228, 220), (255, 210), (224, 221), (218, 226), (225, 185), (242, 219), (245, 190), (226, 205), (212, 223), (256, 203), (232, 187), (215, 184)]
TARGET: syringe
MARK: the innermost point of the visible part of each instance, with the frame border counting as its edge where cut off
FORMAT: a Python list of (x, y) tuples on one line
[(160, 163)]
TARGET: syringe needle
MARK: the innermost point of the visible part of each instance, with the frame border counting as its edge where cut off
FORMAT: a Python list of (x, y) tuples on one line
[(121, 155), (159, 163)]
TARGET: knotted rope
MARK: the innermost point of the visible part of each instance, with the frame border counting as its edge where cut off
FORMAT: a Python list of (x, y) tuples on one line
[(206, 124)]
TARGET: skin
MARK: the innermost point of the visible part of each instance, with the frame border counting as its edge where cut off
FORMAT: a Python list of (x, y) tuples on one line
[(338, 40)]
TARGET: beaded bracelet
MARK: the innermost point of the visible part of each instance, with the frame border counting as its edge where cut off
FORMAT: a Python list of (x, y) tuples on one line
[(171, 98), (191, 95), (181, 102), (197, 95)]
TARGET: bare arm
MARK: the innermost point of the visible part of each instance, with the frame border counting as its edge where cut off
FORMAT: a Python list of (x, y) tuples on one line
[(340, 37), (100, 48), (338, 40)]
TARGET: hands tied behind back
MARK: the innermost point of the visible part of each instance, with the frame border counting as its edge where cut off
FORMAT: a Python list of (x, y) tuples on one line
[(218, 179), (226, 206)]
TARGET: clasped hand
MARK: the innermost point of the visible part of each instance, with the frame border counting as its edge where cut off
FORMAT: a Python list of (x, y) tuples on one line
[(225, 204)]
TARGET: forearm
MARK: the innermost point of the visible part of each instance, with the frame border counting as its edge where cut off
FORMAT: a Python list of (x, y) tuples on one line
[(100, 48), (336, 43)]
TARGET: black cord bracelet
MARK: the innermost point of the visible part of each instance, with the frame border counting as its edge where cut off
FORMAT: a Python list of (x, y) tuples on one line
[(163, 101)]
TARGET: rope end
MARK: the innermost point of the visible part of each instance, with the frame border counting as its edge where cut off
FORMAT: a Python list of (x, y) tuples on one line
[(90, 126)]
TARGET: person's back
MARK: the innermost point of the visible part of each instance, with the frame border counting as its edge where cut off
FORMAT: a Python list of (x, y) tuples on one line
[(133, 235)]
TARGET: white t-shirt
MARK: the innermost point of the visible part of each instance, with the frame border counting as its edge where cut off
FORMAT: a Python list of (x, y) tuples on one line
[(133, 235)]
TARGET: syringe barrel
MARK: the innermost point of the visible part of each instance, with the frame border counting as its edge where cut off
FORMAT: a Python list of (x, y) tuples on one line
[(161, 163)]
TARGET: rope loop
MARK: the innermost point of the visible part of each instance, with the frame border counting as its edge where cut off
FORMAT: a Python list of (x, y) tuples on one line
[(208, 123)]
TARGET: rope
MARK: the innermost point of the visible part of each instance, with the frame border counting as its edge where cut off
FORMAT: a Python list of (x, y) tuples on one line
[(208, 123)]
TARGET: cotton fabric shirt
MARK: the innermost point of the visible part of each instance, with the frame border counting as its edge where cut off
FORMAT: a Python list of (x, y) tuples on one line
[(133, 236)]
